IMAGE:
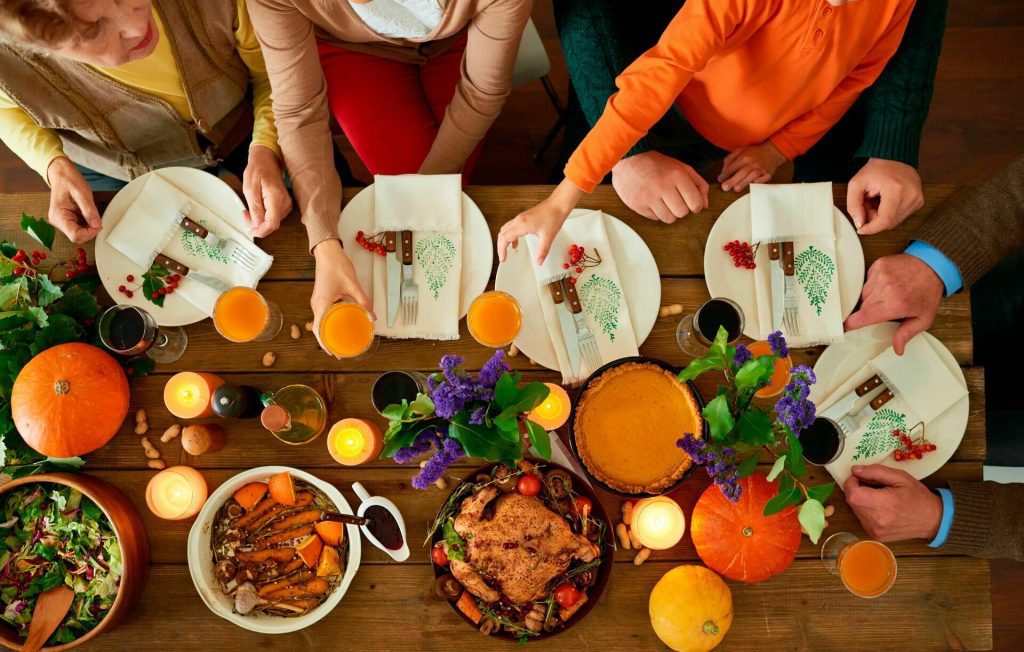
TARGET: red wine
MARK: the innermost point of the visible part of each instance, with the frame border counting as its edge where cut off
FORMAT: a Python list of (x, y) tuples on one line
[(718, 313), (822, 442), (392, 387), (384, 527), (127, 330)]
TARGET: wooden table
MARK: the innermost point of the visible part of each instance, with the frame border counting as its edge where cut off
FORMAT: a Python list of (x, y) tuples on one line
[(939, 600)]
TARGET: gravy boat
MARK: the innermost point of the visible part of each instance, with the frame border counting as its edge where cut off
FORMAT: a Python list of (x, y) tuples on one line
[(368, 501)]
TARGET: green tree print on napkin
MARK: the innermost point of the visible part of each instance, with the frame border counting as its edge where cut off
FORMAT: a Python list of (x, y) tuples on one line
[(601, 297), (877, 437), (196, 246), (814, 271), (435, 255)]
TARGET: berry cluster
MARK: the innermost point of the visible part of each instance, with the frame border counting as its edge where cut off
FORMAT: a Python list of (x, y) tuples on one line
[(910, 449), (170, 285), (27, 261), (374, 244), (580, 260), (742, 254)]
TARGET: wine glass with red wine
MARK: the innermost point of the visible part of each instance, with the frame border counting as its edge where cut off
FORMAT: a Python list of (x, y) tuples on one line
[(130, 330), (697, 331)]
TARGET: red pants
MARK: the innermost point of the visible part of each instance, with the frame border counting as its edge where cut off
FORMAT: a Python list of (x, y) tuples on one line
[(391, 111)]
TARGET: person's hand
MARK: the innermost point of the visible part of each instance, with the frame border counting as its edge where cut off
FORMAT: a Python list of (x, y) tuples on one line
[(543, 220), (659, 187), (891, 504), (749, 165), (263, 187), (72, 207), (883, 194), (335, 280), (899, 287)]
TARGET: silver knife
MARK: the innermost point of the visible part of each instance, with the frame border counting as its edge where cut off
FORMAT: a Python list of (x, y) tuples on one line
[(209, 281), (394, 275), (572, 345), (777, 281)]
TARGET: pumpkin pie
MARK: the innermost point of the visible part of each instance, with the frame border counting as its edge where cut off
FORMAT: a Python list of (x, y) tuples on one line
[(627, 423)]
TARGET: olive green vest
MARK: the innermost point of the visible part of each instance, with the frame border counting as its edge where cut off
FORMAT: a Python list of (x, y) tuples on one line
[(123, 132)]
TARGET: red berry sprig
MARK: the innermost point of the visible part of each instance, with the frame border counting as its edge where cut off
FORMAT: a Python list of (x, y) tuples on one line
[(911, 449), (580, 260), (27, 262), (742, 254), (374, 243), (165, 284)]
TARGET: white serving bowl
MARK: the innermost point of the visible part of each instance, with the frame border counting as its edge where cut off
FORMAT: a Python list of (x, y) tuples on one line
[(200, 557)]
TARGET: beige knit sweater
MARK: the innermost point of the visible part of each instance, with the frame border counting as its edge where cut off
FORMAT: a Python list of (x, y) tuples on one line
[(976, 229), (288, 31)]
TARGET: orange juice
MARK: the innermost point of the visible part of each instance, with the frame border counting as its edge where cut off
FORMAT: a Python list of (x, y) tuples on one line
[(494, 319), (346, 330), (780, 378), (867, 568), (241, 314)]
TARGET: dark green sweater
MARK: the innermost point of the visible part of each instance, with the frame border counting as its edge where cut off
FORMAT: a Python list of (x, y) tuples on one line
[(601, 37)]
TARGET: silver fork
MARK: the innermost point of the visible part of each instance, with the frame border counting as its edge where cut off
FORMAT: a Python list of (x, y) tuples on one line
[(410, 289), (584, 335), (790, 320), (231, 249)]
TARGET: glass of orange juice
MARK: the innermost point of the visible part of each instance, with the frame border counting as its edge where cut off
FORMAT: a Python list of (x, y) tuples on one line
[(867, 568), (494, 319), (346, 330), (780, 378), (244, 315)]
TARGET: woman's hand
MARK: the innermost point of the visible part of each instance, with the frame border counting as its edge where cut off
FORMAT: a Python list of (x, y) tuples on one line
[(72, 207), (659, 187), (335, 280), (749, 165), (263, 187), (543, 220)]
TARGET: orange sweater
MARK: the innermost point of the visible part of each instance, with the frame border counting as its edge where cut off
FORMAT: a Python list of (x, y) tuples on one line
[(746, 71)]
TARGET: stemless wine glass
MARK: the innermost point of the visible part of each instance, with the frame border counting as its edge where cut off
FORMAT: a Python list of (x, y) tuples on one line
[(242, 314), (392, 387), (494, 319), (867, 568), (823, 441), (130, 330), (697, 331), (346, 331)]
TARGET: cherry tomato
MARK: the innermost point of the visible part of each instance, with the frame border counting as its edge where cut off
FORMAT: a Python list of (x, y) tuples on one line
[(438, 555), (528, 485), (567, 595), (583, 504)]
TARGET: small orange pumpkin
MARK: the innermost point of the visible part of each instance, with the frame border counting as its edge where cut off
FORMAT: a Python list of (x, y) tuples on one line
[(737, 540), (69, 400)]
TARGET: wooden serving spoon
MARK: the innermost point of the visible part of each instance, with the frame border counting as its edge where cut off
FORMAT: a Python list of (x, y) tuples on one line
[(51, 607)]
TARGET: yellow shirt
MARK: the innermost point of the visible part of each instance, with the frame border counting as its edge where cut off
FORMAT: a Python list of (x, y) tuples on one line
[(156, 75)]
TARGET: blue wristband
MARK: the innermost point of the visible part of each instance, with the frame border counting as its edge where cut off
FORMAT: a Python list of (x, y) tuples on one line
[(943, 267), (947, 519)]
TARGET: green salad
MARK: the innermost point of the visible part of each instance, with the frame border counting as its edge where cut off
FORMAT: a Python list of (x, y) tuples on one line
[(54, 535)]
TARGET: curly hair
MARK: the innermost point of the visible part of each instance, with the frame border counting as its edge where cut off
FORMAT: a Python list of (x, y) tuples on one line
[(38, 23)]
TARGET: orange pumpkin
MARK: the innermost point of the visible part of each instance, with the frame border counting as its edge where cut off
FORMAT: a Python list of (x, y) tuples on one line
[(69, 400), (690, 609), (737, 540)]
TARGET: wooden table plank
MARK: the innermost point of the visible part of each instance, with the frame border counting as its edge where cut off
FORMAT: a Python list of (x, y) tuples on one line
[(393, 608)]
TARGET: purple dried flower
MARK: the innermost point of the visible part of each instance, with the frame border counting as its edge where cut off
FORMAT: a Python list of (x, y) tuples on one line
[(493, 370), (778, 344), (450, 362), (742, 356), (443, 457), (793, 409), (477, 416), (720, 465), (420, 445)]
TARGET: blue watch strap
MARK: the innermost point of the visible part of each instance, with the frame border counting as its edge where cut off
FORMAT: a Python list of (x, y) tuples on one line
[(940, 264), (947, 518)]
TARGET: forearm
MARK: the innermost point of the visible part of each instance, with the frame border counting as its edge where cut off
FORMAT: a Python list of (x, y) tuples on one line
[(987, 520), (897, 103), (34, 145), (979, 227)]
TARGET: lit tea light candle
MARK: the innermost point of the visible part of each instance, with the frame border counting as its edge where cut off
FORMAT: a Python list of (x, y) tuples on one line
[(187, 394), (176, 493), (658, 522), (553, 411), (354, 441)]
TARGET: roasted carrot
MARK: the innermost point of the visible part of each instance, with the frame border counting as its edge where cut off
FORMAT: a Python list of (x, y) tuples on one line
[(280, 555), (250, 495), (467, 605), (286, 535), (293, 565), (259, 510), (303, 498), (289, 580), (312, 587), (267, 516), (295, 519)]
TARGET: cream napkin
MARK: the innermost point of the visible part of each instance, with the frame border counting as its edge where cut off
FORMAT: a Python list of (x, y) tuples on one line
[(149, 227), (600, 292), (801, 213), (431, 207)]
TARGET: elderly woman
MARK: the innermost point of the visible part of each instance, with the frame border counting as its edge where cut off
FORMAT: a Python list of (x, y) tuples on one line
[(414, 84), (97, 92)]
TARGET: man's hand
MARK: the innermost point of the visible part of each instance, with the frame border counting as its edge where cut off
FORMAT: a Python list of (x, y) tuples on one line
[(883, 194), (72, 207), (543, 220), (899, 287), (749, 165), (659, 187), (892, 505), (263, 187), (335, 279)]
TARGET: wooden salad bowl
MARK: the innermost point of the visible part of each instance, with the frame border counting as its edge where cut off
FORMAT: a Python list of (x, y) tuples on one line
[(131, 536)]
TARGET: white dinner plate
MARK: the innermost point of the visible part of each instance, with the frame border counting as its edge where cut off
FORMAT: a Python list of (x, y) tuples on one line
[(726, 280), (641, 285), (477, 246), (113, 266), (836, 371)]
